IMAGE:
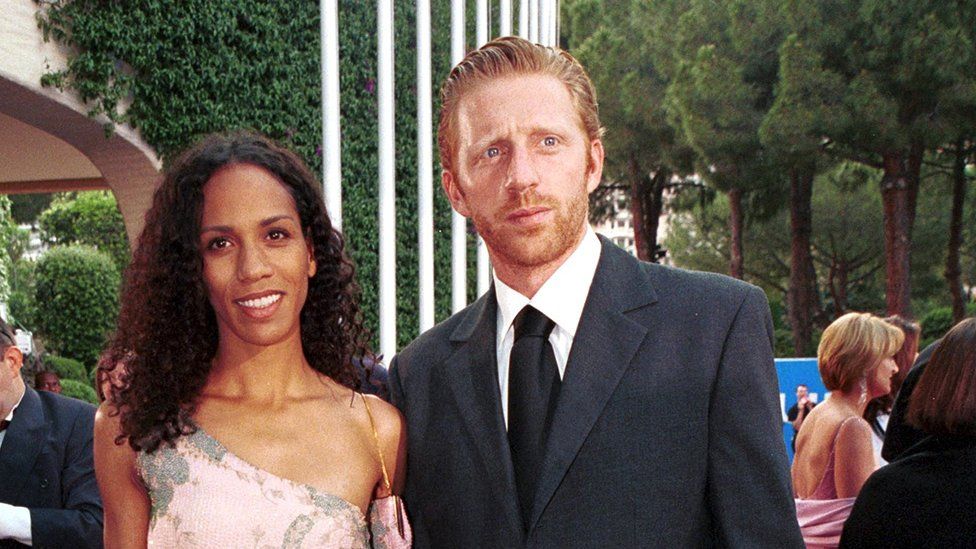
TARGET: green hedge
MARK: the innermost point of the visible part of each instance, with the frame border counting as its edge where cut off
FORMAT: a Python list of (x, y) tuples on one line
[(91, 218), (79, 390), (196, 67), (66, 368), (77, 301)]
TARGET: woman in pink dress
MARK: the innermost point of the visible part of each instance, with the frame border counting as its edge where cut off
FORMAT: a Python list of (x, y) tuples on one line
[(834, 454), (231, 417)]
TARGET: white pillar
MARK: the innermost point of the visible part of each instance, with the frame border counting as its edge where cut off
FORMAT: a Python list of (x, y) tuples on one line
[(331, 147), (555, 23), (387, 194), (523, 28), (505, 18), (481, 22), (425, 160), (534, 21), (459, 225), (545, 14), (484, 263)]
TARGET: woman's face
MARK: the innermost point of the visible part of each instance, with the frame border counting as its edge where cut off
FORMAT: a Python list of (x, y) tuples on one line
[(256, 261), (879, 380)]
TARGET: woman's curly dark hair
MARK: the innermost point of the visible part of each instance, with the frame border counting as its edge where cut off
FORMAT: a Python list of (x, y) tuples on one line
[(167, 330)]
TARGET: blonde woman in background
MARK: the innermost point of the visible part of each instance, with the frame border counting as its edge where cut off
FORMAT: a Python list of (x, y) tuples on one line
[(834, 454)]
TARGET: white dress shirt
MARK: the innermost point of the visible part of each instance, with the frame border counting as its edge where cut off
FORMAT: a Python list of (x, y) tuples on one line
[(561, 298)]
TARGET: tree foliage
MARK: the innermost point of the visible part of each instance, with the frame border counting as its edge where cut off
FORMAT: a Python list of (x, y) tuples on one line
[(77, 301), (80, 390), (66, 368), (90, 218), (7, 229)]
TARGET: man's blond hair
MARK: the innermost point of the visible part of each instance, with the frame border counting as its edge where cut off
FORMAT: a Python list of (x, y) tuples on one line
[(511, 56)]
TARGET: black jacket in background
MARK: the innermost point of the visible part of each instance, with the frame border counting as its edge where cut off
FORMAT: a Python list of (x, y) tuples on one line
[(925, 499), (46, 465)]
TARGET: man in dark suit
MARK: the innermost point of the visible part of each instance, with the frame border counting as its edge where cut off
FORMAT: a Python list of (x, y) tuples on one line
[(588, 399), (48, 494)]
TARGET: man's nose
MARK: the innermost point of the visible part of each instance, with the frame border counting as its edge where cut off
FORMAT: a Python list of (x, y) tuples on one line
[(252, 263), (522, 172)]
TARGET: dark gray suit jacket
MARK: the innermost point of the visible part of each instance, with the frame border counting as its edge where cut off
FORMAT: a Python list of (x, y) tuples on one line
[(46, 465), (667, 431)]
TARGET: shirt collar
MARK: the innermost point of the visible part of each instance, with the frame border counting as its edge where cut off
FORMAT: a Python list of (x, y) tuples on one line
[(10, 415), (563, 295)]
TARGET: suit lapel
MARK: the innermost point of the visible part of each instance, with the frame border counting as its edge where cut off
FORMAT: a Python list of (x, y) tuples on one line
[(21, 445), (472, 372), (604, 346)]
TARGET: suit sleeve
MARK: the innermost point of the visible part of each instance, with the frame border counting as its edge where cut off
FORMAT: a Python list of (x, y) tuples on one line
[(749, 492), (79, 522), (395, 387)]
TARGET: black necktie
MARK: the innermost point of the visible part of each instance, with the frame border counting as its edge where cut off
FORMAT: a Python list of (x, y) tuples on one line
[(533, 388)]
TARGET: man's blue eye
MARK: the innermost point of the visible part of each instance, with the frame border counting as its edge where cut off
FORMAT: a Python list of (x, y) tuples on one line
[(492, 152), (549, 141)]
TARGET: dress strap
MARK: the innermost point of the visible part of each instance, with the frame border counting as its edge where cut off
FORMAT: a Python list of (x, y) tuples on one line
[(379, 447)]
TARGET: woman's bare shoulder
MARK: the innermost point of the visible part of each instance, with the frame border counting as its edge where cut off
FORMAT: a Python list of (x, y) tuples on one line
[(386, 417)]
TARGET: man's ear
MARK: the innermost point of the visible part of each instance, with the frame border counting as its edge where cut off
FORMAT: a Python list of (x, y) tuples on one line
[(594, 168), (454, 193), (13, 359)]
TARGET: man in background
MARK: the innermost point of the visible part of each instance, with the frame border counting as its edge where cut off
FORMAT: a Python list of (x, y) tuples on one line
[(48, 493), (47, 381), (798, 412)]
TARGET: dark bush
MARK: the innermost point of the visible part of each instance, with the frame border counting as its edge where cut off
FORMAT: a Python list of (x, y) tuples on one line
[(79, 390), (66, 368), (77, 299)]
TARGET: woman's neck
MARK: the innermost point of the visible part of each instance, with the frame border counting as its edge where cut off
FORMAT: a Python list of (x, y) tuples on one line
[(855, 401), (269, 374)]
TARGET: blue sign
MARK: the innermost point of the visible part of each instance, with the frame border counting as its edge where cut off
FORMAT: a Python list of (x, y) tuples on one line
[(793, 372)]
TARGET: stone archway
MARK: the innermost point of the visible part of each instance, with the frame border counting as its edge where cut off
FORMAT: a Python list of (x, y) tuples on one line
[(75, 152)]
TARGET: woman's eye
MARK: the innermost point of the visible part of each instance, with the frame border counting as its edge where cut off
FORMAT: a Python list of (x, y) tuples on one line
[(218, 244), (277, 234)]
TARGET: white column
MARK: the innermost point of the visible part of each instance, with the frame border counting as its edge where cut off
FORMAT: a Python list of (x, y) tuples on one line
[(505, 18), (523, 28), (425, 179), (533, 21), (484, 263), (331, 147), (481, 22), (555, 22), (459, 225), (387, 194), (545, 10)]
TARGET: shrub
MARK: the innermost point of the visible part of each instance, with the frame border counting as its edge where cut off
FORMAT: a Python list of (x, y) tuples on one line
[(79, 390), (91, 218), (77, 299), (66, 368)]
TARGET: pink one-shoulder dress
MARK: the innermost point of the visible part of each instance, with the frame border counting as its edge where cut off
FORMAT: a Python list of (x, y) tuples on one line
[(202, 495), (822, 515)]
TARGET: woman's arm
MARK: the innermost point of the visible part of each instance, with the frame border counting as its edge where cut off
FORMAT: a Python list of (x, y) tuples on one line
[(124, 497), (853, 457)]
